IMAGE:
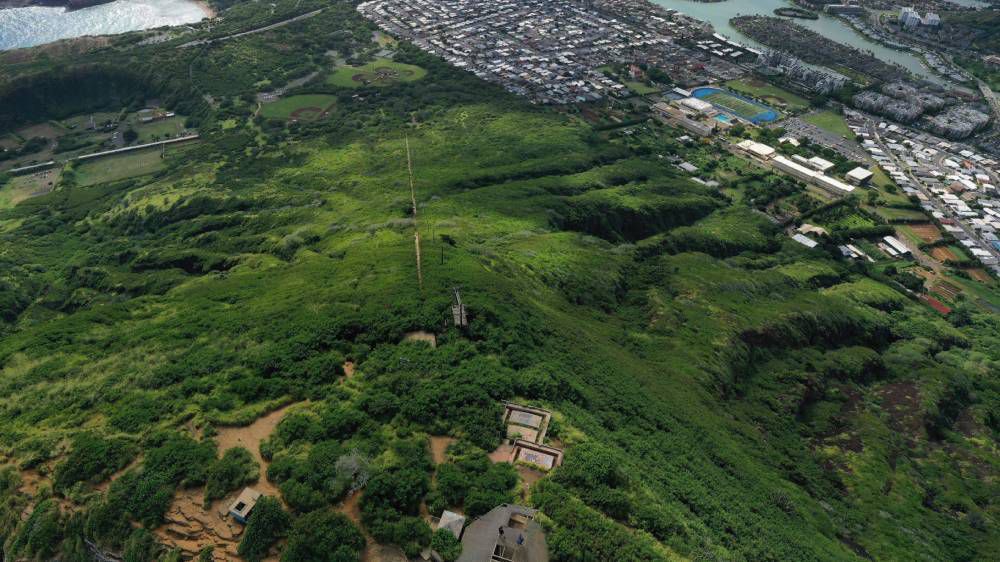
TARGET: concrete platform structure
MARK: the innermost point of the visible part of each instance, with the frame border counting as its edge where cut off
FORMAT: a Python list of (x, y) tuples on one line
[(508, 533)]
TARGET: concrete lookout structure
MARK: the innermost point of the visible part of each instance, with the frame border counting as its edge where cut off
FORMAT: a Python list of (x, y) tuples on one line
[(508, 533)]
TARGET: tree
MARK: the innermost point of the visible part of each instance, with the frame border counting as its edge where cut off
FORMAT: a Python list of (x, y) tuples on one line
[(236, 468), (446, 545), (130, 136), (323, 536), (267, 523), (140, 547), (400, 489)]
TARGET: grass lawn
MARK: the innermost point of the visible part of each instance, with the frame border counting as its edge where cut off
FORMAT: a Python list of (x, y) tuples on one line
[(305, 107), (381, 72), (976, 289), (910, 236), (892, 213), (20, 188), (829, 121), (959, 251), (159, 130), (121, 166), (769, 93), (641, 88)]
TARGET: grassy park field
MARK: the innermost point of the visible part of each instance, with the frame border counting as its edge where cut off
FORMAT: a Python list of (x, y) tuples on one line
[(641, 88), (894, 213), (159, 129), (303, 107), (829, 121), (119, 166), (769, 93), (381, 72)]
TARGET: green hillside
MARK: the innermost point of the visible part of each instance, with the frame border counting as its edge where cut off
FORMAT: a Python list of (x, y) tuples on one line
[(721, 392)]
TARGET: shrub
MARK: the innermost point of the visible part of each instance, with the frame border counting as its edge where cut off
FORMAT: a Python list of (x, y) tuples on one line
[(93, 458), (446, 545), (236, 468), (140, 547), (40, 534), (267, 523), (323, 536)]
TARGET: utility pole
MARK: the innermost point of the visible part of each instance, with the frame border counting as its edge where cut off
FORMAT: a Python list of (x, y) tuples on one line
[(413, 201)]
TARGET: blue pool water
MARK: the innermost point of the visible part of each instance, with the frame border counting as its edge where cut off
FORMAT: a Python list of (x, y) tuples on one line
[(765, 115), (723, 118)]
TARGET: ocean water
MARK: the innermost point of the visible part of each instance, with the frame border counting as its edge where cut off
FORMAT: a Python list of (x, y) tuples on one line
[(26, 27), (719, 14)]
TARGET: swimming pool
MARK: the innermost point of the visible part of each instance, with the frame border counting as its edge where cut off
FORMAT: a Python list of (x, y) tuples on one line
[(742, 107)]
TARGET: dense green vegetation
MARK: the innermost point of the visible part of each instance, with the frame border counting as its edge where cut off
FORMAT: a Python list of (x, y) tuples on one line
[(722, 392), (268, 522)]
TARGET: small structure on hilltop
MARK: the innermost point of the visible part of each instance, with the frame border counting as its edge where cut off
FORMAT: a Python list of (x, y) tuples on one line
[(453, 522), (508, 533), (526, 429), (525, 422), (244, 504), (537, 455)]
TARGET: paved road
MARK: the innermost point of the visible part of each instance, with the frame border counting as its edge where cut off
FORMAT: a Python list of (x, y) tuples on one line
[(252, 31), (991, 98)]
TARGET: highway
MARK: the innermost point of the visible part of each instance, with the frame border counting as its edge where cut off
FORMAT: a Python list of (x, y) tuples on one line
[(991, 98), (250, 32)]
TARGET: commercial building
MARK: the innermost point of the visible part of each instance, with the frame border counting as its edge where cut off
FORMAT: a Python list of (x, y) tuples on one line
[(910, 18), (811, 176), (860, 176), (756, 149), (820, 164), (686, 118), (896, 245)]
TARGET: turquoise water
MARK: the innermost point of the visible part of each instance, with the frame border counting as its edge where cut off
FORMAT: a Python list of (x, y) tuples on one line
[(765, 115), (27, 27), (719, 14)]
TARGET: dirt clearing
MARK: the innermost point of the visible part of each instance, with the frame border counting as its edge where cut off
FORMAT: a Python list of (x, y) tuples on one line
[(439, 446), (190, 526), (943, 254), (926, 231), (979, 275), (421, 336)]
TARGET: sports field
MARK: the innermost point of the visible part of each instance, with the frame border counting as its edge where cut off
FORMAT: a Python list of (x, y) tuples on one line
[(305, 107), (160, 129), (830, 122), (750, 110), (381, 72), (768, 93), (112, 168)]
